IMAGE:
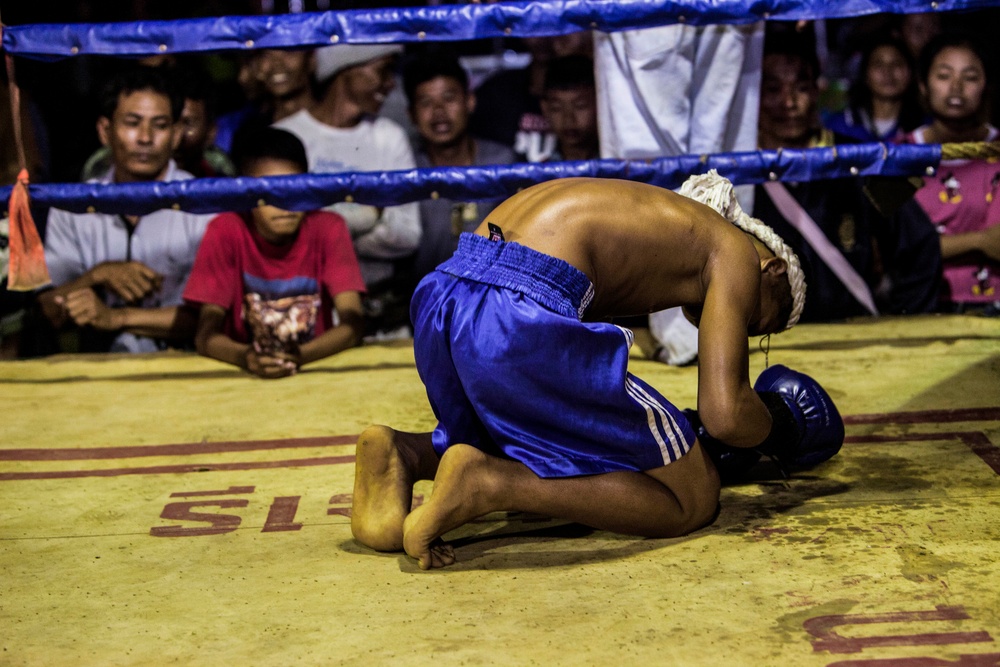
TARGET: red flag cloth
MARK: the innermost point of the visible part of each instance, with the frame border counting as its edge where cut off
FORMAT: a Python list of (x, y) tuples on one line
[(27, 270)]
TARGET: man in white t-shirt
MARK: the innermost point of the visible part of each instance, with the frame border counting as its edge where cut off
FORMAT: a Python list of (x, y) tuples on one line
[(342, 133)]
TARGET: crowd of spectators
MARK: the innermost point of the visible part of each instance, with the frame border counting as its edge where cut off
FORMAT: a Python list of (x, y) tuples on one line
[(269, 290)]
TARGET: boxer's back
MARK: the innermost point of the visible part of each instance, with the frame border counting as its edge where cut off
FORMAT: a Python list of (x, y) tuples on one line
[(644, 248)]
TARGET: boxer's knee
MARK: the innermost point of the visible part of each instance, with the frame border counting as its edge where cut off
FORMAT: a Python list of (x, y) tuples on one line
[(694, 483), (702, 506)]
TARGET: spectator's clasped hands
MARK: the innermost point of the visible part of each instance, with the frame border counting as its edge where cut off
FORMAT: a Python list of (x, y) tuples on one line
[(272, 364), (132, 281)]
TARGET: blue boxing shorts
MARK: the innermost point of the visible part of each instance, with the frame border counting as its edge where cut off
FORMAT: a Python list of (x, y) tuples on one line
[(512, 370)]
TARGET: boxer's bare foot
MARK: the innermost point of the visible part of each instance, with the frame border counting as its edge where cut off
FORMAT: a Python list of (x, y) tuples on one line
[(388, 463), (464, 488)]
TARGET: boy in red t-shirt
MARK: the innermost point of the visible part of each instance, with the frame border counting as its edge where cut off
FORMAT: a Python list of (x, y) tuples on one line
[(276, 289)]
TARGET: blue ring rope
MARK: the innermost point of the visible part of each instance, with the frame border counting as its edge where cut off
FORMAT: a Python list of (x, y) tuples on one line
[(390, 188), (439, 23)]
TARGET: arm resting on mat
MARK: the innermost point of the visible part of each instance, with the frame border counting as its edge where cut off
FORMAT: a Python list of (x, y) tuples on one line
[(210, 341), (346, 334)]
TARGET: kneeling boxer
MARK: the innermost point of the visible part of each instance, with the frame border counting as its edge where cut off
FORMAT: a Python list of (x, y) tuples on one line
[(536, 409)]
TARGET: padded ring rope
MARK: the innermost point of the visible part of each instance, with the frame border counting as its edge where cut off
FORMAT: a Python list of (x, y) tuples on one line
[(439, 23), (310, 191), (390, 188)]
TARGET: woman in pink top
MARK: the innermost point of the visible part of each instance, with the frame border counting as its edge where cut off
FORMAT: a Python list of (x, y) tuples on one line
[(962, 197)]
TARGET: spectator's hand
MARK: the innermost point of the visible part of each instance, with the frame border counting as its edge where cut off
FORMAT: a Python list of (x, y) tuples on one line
[(270, 366), (85, 308), (132, 281), (990, 244)]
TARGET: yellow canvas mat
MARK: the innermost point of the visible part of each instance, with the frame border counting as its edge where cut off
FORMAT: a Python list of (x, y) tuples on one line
[(170, 510)]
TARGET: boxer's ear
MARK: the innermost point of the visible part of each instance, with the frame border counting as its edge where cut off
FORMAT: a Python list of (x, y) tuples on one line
[(773, 265)]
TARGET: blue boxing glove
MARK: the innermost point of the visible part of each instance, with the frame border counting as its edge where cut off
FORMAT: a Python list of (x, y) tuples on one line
[(807, 429), (732, 462)]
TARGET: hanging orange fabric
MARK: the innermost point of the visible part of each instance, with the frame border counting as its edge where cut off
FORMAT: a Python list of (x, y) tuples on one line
[(27, 270)]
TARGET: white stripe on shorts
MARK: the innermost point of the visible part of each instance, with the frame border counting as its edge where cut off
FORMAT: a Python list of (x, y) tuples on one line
[(663, 432), (629, 335)]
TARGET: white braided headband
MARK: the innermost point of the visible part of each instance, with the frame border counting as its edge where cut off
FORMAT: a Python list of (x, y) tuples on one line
[(717, 192)]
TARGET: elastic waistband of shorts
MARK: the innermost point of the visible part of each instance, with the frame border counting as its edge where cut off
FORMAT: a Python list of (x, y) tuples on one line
[(552, 282)]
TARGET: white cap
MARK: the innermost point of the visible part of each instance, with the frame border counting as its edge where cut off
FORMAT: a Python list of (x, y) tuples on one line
[(332, 59)]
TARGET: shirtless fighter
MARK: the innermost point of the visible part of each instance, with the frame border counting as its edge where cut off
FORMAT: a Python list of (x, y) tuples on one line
[(536, 409)]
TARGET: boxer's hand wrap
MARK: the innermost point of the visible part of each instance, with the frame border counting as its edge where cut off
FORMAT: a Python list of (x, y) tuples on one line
[(731, 462), (813, 433)]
